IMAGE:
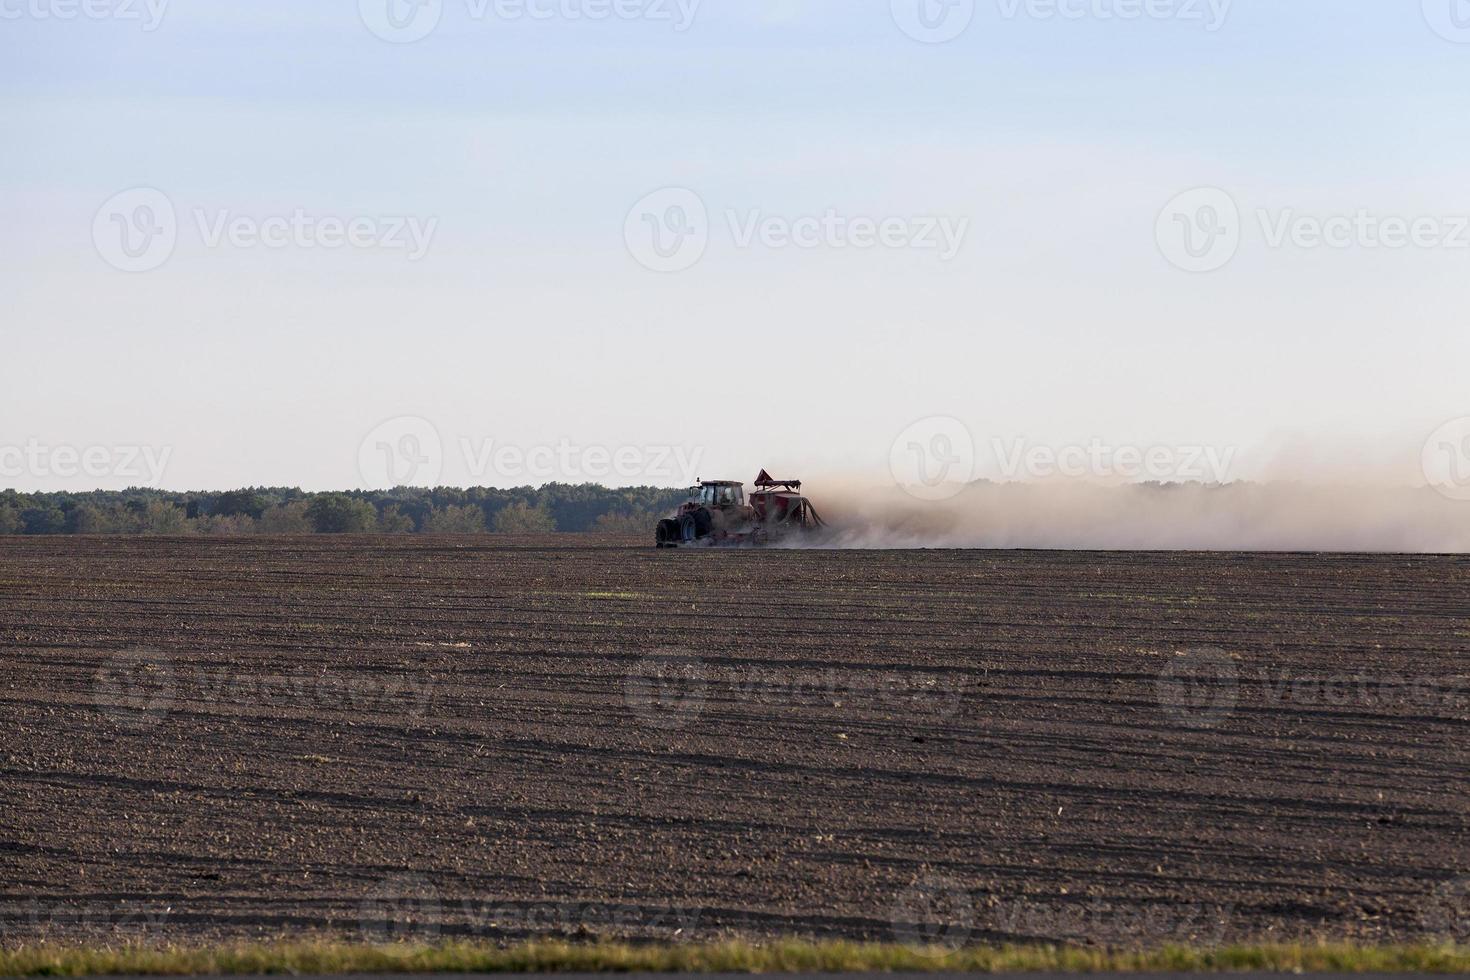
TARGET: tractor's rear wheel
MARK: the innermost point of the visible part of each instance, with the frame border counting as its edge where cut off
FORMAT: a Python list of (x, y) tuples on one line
[(666, 534), (703, 523)]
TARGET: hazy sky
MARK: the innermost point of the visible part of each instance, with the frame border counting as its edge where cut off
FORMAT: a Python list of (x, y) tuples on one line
[(859, 227)]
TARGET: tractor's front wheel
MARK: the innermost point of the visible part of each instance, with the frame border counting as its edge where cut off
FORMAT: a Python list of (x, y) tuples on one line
[(666, 534)]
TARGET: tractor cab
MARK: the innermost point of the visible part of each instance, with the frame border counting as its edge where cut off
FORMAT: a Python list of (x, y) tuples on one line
[(721, 494)]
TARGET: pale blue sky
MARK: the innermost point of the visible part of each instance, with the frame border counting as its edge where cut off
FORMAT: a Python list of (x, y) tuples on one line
[(529, 320)]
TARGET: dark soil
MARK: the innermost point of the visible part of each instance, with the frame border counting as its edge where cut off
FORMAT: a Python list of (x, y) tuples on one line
[(493, 738)]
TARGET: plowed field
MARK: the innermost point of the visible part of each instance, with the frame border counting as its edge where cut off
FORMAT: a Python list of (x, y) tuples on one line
[(492, 737)]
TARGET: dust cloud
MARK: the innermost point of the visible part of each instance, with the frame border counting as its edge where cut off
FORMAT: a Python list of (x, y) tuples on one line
[(1166, 517)]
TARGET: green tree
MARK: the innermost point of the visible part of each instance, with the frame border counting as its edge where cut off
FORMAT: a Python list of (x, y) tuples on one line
[(162, 517), (236, 502), (283, 510), (394, 521), (337, 513), (112, 517), (86, 519), (624, 522), (457, 520), (45, 519), (285, 519), (232, 526), (521, 518), (121, 516)]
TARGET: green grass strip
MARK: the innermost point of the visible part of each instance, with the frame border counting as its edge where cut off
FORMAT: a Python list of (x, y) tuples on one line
[(319, 958)]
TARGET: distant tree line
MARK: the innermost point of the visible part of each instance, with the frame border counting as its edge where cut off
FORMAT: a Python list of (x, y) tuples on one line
[(283, 510)]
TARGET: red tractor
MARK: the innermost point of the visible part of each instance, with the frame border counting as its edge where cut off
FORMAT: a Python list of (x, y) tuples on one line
[(716, 514)]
